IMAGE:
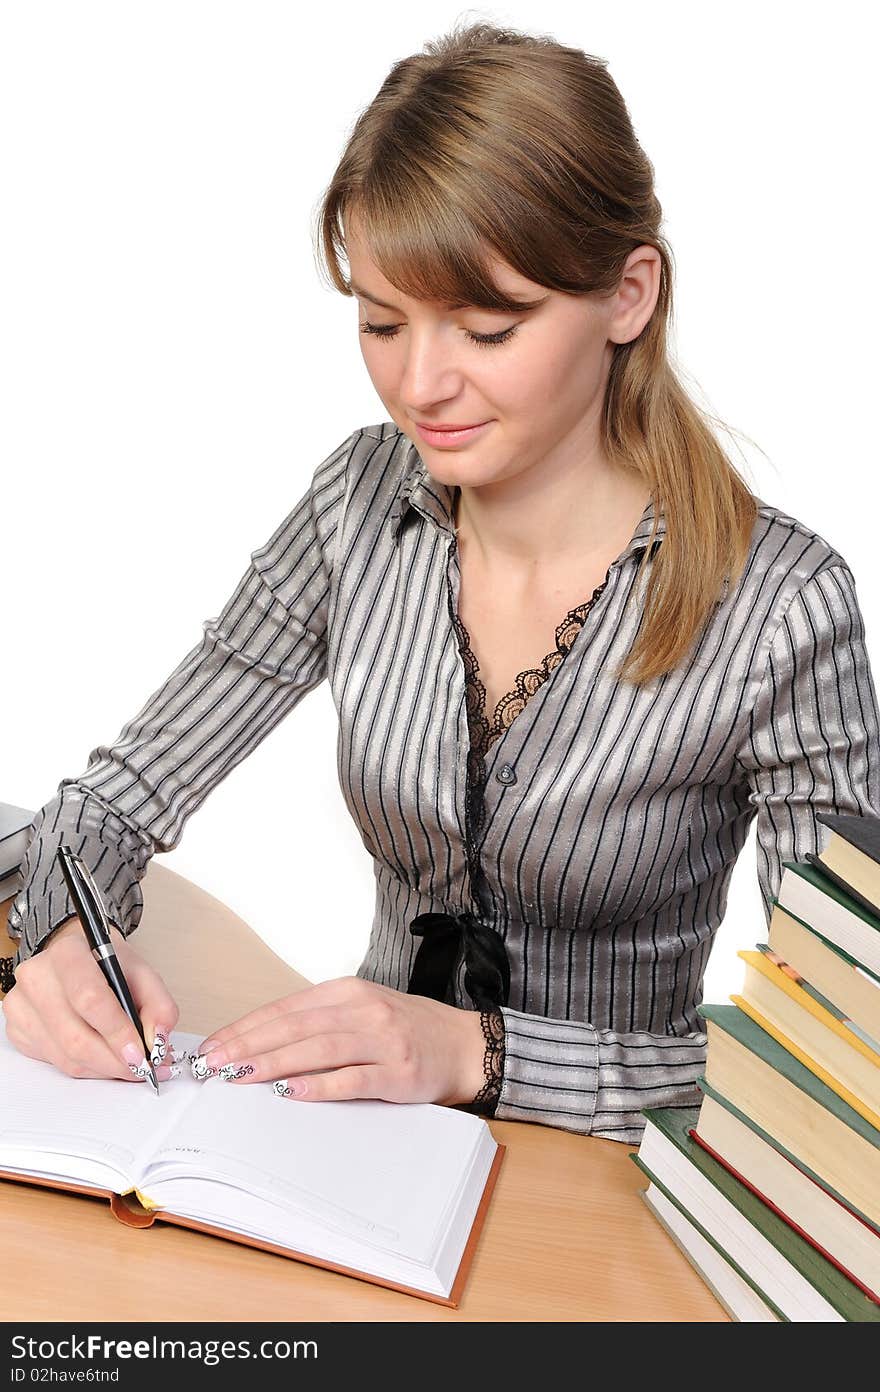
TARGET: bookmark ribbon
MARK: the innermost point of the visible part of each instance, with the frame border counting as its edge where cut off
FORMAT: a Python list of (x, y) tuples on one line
[(487, 969)]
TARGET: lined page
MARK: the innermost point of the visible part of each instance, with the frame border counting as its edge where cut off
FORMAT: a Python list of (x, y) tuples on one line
[(46, 1113), (384, 1172)]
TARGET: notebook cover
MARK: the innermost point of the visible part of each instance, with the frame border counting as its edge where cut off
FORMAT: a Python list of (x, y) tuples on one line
[(134, 1215), (844, 1270)]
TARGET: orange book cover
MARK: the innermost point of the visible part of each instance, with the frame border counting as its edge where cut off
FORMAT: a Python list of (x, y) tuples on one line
[(130, 1211)]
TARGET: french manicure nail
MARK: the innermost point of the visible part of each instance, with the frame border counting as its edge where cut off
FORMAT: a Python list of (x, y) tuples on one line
[(159, 1050), (166, 1071), (136, 1061), (289, 1087), (235, 1070), (201, 1069)]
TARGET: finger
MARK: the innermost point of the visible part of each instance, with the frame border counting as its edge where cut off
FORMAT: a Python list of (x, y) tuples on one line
[(27, 1032), (336, 1050), (97, 1003), (289, 1028), (63, 1035), (340, 988), (156, 1006), (361, 1080), (30, 1036)]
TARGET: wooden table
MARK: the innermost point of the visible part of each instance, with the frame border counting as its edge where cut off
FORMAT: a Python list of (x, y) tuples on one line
[(566, 1236)]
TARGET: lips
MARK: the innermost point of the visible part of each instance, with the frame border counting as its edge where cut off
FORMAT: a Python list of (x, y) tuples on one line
[(468, 425), (447, 437)]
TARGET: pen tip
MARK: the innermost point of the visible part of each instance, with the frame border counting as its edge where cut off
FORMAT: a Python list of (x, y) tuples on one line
[(154, 1080)]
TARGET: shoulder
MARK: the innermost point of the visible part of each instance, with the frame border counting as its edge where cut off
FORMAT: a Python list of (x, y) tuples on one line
[(375, 457), (794, 575), (380, 459), (791, 546), (789, 558), (383, 431)]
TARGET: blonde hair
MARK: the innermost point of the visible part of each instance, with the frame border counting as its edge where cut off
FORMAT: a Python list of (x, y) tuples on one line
[(494, 138)]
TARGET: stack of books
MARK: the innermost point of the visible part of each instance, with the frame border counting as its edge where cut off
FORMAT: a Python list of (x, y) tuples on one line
[(15, 823), (771, 1187)]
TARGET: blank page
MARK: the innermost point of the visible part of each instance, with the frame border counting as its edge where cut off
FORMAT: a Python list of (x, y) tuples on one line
[(45, 1112), (385, 1172)]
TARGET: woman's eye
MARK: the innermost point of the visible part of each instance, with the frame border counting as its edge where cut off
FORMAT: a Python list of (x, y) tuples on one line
[(386, 331)]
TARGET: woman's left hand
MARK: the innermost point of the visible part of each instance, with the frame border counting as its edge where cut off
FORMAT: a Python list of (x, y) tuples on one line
[(350, 1037)]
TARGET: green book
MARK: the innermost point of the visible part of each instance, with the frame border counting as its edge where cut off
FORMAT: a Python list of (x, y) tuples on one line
[(840, 1293), (749, 1033), (795, 1160), (858, 934)]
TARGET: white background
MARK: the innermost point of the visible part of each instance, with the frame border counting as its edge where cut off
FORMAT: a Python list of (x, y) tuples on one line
[(172, 369)]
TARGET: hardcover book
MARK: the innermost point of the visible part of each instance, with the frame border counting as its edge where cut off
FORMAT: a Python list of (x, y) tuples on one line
[(809, 893), (787, 1271), (823, 1044), (828, 969), (808, 1206), (777, 1093), (391, 1193), (851, 857)]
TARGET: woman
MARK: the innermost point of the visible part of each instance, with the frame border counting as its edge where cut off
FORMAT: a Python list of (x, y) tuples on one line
[(572, 655)]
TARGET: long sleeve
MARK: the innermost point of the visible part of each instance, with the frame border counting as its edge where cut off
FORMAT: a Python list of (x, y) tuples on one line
[(569, 1074), (811, 745), (255, 661)]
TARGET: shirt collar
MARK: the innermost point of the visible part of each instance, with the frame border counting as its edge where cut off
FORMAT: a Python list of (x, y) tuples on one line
[(422, 493)]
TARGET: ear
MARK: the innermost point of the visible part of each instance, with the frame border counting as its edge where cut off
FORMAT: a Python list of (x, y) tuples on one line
[(636, 295)]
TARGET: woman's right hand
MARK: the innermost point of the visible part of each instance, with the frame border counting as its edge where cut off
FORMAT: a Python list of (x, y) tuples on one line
[(63, 1011)]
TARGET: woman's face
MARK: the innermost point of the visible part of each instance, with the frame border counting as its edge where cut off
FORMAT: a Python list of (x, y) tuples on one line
[(537, 391)]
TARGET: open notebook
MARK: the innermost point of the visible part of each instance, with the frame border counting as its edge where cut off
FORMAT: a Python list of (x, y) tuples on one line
[(389, 1192)]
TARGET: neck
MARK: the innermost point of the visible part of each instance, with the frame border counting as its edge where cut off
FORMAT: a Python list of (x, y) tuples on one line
[(542, 519)]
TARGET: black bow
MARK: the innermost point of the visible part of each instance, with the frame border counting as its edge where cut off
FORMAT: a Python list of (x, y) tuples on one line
[(487, 970)]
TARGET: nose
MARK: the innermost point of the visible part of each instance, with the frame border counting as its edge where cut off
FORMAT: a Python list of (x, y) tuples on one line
[(429, 373)]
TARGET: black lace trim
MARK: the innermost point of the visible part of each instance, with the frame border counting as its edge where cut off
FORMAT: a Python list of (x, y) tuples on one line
[(484, 732), (486, 1100), (7, 975)]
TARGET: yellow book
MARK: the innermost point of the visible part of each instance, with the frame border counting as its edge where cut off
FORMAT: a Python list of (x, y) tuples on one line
[(772, 1000), (786, 983)]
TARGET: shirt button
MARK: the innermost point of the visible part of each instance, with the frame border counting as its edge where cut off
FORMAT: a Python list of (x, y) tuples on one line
[(506, 774)]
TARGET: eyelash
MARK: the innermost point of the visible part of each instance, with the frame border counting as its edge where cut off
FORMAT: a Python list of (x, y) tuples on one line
[(388, 331)]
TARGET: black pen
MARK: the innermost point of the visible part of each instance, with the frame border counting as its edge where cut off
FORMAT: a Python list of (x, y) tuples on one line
[(92, 916)]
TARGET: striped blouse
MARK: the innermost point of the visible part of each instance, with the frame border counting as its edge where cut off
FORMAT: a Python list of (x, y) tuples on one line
[(610, 815)]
